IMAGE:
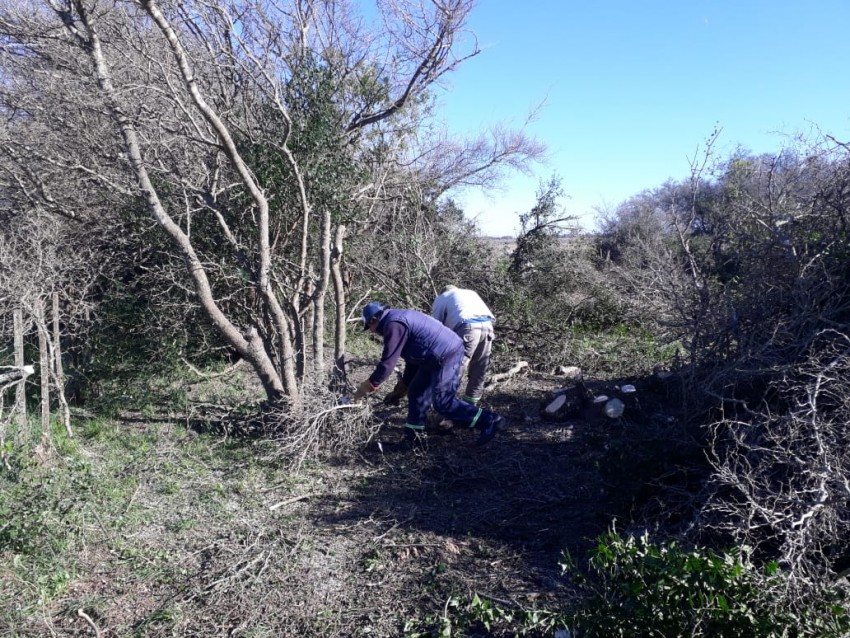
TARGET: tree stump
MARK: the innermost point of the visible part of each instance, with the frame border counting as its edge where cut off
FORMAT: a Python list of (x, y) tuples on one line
[(629, 396), (567, 403), (579, 401)]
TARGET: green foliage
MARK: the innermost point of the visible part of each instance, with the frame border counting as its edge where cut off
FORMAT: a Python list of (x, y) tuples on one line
[(50, 511), (36, 539), (637, 588), (415, 249), (537, 246), (315, 135), (552, 293), (622, 350), (131, 357), (484, 616)]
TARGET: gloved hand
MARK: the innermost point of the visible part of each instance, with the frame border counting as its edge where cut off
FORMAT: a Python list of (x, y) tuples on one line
[(365, 388), (397, 394)]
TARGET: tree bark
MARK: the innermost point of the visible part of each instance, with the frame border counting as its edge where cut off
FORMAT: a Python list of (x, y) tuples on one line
[(58, 369), (339, 301), (319, 298), (20, 409), (43, 364)]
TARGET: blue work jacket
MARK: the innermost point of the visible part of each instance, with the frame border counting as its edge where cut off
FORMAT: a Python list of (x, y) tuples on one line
[(414, 336)]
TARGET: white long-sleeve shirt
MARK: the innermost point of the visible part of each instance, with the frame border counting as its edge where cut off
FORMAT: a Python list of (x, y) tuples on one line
[(459, 305)]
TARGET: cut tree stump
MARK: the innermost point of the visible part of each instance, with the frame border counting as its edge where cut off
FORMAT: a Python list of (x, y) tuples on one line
[(580, 402), (567, 404)]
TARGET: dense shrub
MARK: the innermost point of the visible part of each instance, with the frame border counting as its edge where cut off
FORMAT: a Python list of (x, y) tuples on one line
[(638, 588)]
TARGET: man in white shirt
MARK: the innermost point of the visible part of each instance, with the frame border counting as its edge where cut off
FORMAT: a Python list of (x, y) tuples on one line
[(466, 313)]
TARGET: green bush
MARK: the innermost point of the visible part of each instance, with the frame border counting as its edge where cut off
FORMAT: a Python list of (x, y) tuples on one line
[(637, 588), (482, 616)]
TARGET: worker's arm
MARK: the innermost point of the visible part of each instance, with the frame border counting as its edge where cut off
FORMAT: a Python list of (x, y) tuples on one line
[(395, 336)]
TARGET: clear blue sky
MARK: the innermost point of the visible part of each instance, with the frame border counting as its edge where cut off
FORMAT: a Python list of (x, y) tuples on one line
[(633, 88)]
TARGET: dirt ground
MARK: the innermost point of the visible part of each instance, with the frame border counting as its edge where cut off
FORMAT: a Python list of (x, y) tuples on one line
[(455, 519), (213, 537)]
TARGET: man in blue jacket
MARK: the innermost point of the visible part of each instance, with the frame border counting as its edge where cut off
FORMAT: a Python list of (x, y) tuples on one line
[(433, 355)]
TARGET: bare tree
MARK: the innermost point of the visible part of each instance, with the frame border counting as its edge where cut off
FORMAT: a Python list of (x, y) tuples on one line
[(746, 266), (37, 266), (781, 475), (229, 123)]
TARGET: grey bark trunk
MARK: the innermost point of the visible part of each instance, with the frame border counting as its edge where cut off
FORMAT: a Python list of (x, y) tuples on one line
[(58, 370), (44, 366), (339, 301), (321, 293), (20, 409)]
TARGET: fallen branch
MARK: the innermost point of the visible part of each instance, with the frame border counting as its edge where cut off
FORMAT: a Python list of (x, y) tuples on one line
[(519, 366), (88, 619), (14, 373), (212, 375), (294, 499)]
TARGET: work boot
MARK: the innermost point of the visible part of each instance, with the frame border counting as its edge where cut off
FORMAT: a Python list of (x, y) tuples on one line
[(491, 430)]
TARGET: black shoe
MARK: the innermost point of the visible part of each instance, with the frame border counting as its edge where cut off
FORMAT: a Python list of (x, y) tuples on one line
[(491, 430)]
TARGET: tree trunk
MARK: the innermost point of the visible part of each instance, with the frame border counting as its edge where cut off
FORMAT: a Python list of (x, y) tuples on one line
[(339, 301), (298, 341), (58, 370), (20, 409), (43, 364), (319, 298)]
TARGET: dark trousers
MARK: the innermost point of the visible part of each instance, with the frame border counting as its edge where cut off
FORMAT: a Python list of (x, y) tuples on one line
[(437, 385)]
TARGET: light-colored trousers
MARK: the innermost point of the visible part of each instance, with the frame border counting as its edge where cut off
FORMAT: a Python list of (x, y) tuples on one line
[(477, 344)]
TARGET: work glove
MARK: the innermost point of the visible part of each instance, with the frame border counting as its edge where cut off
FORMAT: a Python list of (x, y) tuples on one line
[(397, 394), (365, 388)]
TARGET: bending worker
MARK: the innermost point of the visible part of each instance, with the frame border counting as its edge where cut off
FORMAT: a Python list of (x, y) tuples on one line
[(466, 313), (433, 355)]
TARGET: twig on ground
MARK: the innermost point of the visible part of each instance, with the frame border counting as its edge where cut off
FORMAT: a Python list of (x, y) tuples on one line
[(88, 619), (212, 375), (294, 499), (502, 376)]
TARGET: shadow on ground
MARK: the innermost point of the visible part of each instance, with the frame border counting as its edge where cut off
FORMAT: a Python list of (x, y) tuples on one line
[(534, 491)]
